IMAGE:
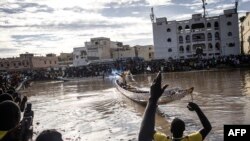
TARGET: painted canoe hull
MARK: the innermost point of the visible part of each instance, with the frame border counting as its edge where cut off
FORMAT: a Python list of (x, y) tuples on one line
[(142, 97)]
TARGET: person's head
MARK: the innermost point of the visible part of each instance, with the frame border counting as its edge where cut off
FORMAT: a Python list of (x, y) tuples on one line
[(5, 96), (177, 127), (49, 135), (10, 117)]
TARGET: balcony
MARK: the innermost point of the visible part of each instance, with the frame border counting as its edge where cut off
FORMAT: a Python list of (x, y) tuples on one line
[(216, 28), (217, 38), (180, 42), (198, 40)]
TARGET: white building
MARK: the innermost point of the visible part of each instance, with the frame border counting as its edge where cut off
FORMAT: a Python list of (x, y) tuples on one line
[(80, 56), (98, 48), (246, 34), (209, 36)]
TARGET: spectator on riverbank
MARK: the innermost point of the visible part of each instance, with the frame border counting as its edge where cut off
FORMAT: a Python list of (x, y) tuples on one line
[(5, 96), (49, 135), (147, 131), (9, 120)]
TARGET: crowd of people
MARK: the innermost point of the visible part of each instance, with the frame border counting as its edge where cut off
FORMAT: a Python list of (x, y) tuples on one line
[(139, 66), (16, 115)]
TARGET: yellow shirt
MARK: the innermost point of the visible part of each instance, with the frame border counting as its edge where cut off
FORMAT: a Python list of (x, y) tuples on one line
[(158, 136)]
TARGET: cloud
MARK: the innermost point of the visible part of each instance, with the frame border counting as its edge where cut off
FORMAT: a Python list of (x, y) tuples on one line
[(159, 2), (225, 6), (45, 26), (21, 7), (245, 0)]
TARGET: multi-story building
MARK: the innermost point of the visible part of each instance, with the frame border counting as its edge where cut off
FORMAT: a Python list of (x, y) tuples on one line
[(98, 48), (102, 49), (29, 61), (41, 62), (80, 56), (65, 59), (19, 63), (245, 29), (206, 37), (123, 52), (145, 52)]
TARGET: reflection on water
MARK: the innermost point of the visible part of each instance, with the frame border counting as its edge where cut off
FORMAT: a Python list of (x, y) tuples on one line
[(95, 110)]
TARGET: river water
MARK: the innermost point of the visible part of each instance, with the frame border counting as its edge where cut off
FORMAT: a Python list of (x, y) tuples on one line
[(95, 110)]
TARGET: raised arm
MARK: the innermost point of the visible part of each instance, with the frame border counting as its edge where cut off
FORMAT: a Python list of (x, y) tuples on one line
[(148, 123), (204, 121)]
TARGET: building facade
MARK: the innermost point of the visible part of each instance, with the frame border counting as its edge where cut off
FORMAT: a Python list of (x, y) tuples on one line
[(80, 56), (146, 52), (206, 37), (65, 59), (245, 29), (18, 63), (41, 62), (122, 52), (28, 61), (98, 48)]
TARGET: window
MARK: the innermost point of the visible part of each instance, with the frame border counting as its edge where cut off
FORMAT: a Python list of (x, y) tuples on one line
[(169, 50), (217, 36), (168, 30), (180, 39), (187, 27), (188, 48), (208, 25), (210, 46), (45, 62), (55, 62), (209, 36), (1, 65), (216, 25), (181, 49), (180, 28), (231, 44), (229, 33), (217, 46), (188, 39), (229, 23), (169, 40)]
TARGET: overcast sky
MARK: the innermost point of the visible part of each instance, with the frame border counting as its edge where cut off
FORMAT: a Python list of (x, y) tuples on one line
[(55, 26)]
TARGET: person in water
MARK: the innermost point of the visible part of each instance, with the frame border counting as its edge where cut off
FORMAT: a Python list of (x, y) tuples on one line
[(147, 131)]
